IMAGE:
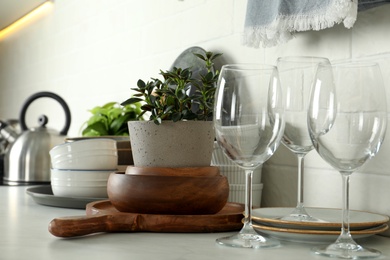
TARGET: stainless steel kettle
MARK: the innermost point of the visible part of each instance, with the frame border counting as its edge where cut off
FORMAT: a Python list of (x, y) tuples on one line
[(28, 160)]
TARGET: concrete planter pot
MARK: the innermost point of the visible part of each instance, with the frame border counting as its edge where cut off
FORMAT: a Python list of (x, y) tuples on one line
[(171, 144)]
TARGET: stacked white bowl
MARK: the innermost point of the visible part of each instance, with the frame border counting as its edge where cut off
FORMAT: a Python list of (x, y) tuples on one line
[(236, 177), (81, 168)]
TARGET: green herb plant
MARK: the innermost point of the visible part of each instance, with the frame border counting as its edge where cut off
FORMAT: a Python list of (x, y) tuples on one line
[(111, 119), (170, 98)]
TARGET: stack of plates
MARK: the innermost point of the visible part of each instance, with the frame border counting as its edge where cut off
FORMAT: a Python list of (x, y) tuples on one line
[(362, 224)]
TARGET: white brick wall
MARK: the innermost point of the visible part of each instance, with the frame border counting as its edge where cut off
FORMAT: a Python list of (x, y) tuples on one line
[(93, 51)]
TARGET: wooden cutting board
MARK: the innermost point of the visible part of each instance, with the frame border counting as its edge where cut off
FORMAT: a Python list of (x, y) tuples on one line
[(101, 216)]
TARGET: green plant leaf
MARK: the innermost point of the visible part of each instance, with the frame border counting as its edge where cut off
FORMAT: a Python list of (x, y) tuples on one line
[(200, 56), (111, 119), (98, 118), (157, 121), (109, 105), (141, 84), (216, 55), (147, 107), (167, 109), (176, 116), (98, 127), (181, 95), (131, 100), (209, 77), (117, 124)]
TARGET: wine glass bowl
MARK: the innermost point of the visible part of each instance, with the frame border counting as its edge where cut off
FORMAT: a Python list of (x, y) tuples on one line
[(248, 119), (296, 76), (347, 120)]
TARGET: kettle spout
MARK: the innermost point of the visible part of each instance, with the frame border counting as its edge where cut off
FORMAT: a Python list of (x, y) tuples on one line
[(7, 132)]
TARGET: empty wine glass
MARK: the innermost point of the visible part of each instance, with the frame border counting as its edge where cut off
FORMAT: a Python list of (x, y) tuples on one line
[(249, 124), (347, 121), (296, 76)]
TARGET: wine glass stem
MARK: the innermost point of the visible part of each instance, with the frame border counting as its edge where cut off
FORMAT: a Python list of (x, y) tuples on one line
[(248, 197), (301, 166), (345, 209)]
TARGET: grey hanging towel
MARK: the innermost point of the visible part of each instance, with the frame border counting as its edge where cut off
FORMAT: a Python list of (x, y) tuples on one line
[(364, 5), (270, 22)]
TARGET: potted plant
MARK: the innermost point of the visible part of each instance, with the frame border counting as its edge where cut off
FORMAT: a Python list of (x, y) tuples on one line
[(111, 119), (179, 132)]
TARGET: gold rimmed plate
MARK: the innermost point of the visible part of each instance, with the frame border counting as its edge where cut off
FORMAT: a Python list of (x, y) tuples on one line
[(314, 236), (359, 220)]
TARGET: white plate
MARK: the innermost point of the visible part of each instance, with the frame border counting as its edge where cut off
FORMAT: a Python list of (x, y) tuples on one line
[(314, 236), (359, 220)]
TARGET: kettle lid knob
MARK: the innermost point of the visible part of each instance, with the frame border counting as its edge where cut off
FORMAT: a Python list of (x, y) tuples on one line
[(43, 120)]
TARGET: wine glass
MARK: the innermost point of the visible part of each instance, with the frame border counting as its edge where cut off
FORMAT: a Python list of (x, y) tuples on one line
[(249, 124), (347, 120), (296, 76)]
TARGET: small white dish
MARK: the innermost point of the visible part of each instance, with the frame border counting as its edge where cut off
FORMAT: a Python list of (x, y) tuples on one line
[(359, 220), (314, 236)]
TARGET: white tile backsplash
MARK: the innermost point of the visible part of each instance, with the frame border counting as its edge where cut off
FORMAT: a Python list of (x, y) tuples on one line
[(93, 51)]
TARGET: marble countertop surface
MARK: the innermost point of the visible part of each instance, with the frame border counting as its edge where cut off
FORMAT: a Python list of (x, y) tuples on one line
[(24, 235)]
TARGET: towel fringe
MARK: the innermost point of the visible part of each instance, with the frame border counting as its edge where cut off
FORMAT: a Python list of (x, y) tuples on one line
[(282, 29)]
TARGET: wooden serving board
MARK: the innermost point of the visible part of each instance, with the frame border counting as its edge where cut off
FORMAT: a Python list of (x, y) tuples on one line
[(101, 216)]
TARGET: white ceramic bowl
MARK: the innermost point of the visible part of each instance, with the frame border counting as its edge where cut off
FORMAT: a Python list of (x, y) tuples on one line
[(80, 191), (80, 175), (83, 145), (83, 155), (86, 153), (77, 183), (86, 161)]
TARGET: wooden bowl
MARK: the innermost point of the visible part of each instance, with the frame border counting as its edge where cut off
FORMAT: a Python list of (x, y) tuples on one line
[(166, 171), (168, 195)]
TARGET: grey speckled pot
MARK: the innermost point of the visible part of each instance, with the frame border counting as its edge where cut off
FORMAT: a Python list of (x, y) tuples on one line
[(180, 144)]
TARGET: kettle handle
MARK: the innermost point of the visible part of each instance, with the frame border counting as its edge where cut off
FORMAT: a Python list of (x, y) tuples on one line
[(26, 104)]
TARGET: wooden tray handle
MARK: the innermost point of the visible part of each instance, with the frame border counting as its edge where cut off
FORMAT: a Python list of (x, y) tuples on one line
[(85, 225)]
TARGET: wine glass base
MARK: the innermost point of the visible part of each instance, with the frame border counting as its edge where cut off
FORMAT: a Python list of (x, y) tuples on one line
[(248, 240), (346, 251), (301, 218), (299, 214)]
